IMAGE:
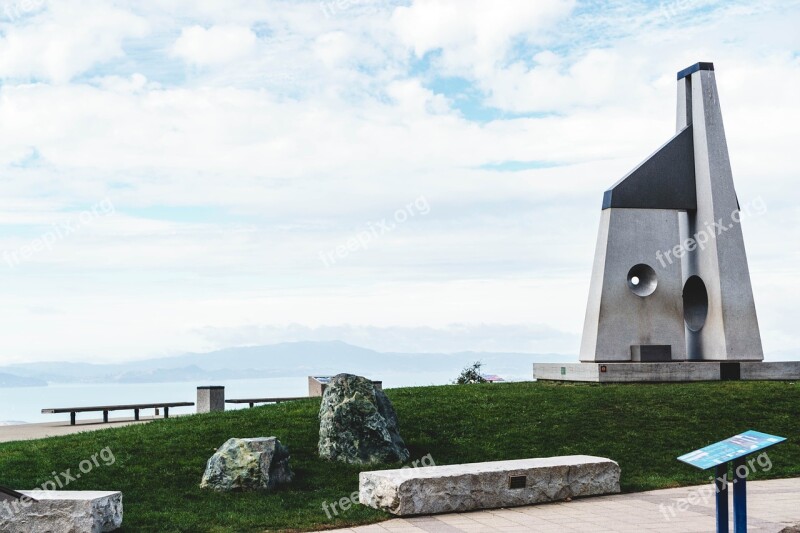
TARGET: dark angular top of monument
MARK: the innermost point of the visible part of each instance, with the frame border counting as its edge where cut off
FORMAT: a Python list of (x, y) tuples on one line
[(694, 68), (665, 180)]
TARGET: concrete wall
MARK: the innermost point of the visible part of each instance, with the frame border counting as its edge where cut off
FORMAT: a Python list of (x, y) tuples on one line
[(566, 371), (731, 330), (317, 387), (775, 371), (628, 372), (617, 318), (660, 372), (664, 372)]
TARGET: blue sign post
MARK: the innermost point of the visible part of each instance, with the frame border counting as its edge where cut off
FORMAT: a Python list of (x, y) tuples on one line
[(718, 455)]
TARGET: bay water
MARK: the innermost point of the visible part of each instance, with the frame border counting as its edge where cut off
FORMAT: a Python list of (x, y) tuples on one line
[(24, 404)]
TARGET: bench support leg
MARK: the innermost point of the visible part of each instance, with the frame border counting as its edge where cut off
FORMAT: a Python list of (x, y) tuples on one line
[(105, 417), (136, 414), (166, 412), (72, 419)]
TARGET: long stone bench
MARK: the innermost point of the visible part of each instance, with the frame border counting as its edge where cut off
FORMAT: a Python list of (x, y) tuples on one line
[(466, 487), (45, 511)]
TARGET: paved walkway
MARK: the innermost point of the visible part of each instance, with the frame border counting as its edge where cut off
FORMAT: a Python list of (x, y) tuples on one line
[(53, 429), (772, 505)]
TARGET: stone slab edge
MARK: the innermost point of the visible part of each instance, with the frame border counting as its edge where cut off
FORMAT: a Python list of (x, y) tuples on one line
[(467, 487), (67, 511)]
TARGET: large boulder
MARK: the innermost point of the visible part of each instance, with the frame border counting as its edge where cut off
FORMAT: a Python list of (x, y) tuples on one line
[(248, 464), (357, 423)]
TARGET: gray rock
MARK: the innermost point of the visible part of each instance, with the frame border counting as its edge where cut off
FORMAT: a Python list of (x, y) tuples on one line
[(357, 423), (466, 487), (248, 464), (62, 511)]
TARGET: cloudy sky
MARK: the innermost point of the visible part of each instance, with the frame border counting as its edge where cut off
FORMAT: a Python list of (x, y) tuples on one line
[(417, 175)]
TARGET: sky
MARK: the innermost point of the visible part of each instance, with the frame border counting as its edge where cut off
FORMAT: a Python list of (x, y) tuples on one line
[(405, 176)]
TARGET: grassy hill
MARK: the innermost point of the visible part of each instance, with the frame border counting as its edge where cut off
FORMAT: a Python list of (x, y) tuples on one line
[(158, 466)]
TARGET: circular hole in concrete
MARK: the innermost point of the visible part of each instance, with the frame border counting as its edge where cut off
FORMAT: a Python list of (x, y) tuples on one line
[(642, 280), (695, 303)]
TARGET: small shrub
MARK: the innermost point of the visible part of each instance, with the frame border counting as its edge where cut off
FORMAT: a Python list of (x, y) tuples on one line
[(471, 374)]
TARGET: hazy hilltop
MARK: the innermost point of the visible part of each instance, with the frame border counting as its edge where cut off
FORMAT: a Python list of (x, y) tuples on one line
[(11, 380), (275, 360)]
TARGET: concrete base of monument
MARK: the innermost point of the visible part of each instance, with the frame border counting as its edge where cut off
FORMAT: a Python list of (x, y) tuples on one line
[(630, 372)]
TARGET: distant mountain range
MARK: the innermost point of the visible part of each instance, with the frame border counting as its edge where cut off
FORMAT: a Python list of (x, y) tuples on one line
[(10, 380), (276, 360)]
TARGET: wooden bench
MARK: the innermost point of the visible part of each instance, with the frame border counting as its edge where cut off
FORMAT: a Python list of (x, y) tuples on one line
[(253, 401), (106, 408)]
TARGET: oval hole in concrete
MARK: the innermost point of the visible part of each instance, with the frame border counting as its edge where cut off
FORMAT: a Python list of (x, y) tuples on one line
[(695, 303)]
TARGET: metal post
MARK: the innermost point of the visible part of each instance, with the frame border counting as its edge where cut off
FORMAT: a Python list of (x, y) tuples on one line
[(72, 418), (166, 411), (740, 495), (721, 484), (136, 414), (105, 417)]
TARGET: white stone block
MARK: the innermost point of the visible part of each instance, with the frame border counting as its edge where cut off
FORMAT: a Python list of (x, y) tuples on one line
[(466, 487), (63, 511)]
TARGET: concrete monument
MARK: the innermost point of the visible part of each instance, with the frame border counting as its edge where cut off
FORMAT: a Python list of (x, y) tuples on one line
[(670, 279), (670, 283)]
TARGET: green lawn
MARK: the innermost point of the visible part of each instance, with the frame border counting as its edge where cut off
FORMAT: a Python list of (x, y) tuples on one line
[(643, 427)]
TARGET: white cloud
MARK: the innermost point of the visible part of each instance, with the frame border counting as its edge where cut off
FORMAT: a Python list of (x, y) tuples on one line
[(296, 129), (214, 46), (414, 99), (66, 40), (474, 35), (601, 77), (134, 83)]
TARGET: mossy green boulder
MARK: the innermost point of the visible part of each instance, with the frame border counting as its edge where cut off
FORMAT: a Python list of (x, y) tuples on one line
[(357, 423), (248, 464)]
